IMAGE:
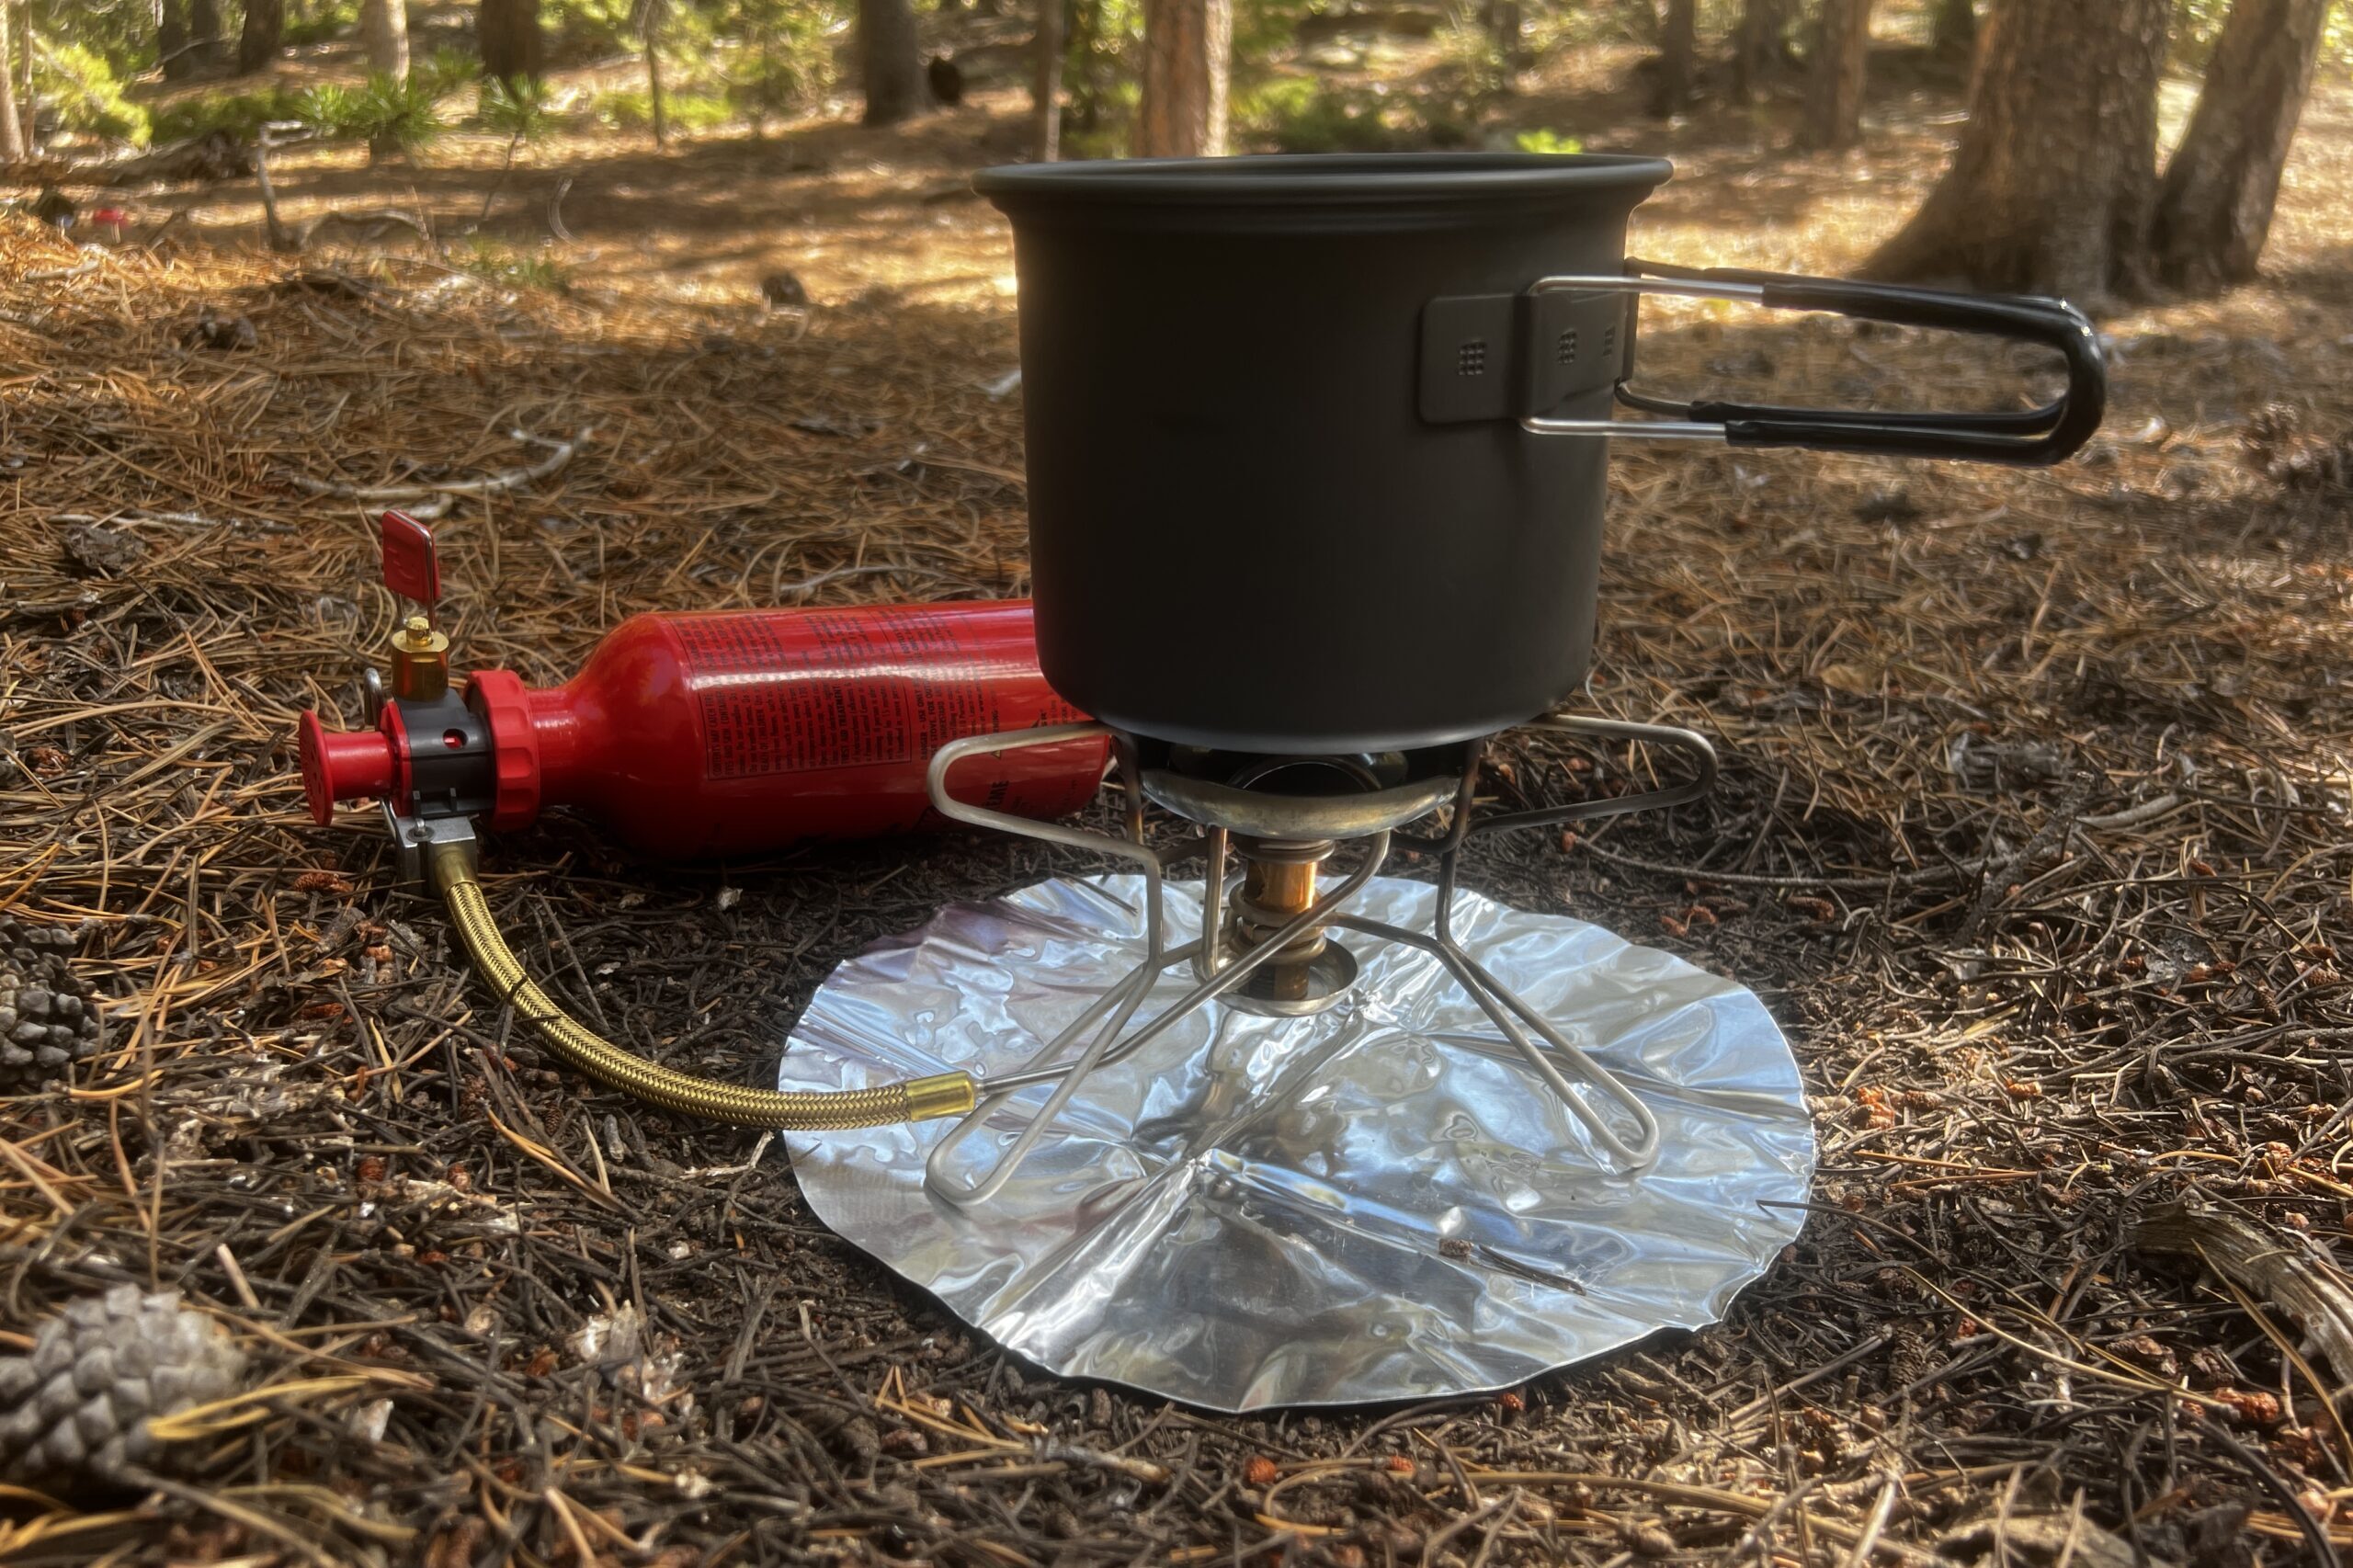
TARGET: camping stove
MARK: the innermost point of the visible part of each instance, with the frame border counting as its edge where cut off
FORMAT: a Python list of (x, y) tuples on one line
[(1304, 1132), (1287, 842), (1299, 1131)]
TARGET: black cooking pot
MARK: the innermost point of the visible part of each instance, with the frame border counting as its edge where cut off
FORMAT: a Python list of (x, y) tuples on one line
[(1316, 444)]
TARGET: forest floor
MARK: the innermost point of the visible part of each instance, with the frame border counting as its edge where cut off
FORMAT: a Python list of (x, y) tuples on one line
[(2031, 835)]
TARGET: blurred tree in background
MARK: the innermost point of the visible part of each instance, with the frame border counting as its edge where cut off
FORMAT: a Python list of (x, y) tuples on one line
[(263, 34), (2055, 186), (2214, 208), (507, 32), (1188, 54), (12, 129), (1836, 67), (2055, 183), (383, 34)]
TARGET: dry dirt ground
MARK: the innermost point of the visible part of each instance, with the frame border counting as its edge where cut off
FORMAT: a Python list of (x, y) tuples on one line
[(2031, 834)]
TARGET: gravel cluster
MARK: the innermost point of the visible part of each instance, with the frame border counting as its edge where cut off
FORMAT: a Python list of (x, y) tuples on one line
[(48, 1019)]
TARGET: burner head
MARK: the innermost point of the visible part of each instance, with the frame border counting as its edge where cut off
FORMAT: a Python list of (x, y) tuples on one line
[(1283, 816), (1341, 795)]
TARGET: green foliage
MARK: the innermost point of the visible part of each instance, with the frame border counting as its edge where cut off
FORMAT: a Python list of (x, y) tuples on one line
[(329, 21), (788, 59), (383, 112), (239, 115), (521, 111), (1263, 29), (442, 73), (631, 109), (386, 111), (590, 26), (1469, 75), (1301, 114), (1542, 140), (87, 95), (121, 32), (1100, 60), (1442, 109), (2198, 27), (513, 269)]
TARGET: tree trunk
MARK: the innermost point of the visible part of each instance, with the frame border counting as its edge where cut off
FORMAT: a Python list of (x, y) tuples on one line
[(207, 46), (1188, 49), (651, 13), (1756, 48), (2051, 186), (1678, 57), (1046, 83), (265, 27), (26, 104), (1836, 68), (1507, 25), (889, 61), (2214, 208), (384, 36), (12, 129), (1956, 28), (171, 39), (507, 33)]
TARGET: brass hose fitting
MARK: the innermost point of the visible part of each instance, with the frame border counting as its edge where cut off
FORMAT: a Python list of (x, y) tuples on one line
[(917, 1099)]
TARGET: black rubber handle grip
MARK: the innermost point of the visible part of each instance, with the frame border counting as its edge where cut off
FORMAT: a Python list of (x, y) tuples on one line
[(2032, 437)]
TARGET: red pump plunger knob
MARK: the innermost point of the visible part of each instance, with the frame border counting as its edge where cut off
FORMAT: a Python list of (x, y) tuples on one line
[(341, 766)]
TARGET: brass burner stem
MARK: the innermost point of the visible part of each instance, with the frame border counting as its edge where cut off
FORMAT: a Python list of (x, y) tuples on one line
[(1286, 890), (1275, 893)]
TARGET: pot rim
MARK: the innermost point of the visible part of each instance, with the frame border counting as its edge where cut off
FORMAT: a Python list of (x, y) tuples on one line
[(1290, 179)]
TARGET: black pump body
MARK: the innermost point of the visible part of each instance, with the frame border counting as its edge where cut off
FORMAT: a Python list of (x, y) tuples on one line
[(1290, 490)]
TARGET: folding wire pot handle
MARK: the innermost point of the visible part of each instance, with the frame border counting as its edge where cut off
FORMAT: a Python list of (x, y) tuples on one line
[(2033, 438)]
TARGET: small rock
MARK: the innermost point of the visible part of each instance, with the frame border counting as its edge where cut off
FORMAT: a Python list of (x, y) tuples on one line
[(210, 330), (1889, 506), (1649, 1540), (781, 290), (105, 551)]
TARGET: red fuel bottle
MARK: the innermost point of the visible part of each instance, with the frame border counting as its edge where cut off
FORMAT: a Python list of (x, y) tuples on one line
[(727, 734)]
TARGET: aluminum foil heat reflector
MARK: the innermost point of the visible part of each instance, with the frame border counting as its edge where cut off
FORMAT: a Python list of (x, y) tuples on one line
[(1376, 1202)]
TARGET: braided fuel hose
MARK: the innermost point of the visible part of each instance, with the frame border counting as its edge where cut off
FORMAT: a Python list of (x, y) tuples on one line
[(917, 1099)]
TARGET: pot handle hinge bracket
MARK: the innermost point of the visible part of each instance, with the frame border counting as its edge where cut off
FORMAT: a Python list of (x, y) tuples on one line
[(1513, 355)]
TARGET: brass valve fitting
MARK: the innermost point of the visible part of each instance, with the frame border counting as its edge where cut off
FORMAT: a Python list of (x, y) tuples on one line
[(420, 661)]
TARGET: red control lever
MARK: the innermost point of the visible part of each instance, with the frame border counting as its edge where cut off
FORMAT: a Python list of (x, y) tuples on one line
[(412, 569)]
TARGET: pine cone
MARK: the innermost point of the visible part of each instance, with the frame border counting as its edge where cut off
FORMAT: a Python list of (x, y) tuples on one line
[(76, 1408), (49, 1019)]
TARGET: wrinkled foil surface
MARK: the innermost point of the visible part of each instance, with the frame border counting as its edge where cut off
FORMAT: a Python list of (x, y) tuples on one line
[(1379, 1202)]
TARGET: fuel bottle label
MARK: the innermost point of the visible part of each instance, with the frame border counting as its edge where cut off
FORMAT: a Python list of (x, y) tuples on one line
[(835, 689)]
